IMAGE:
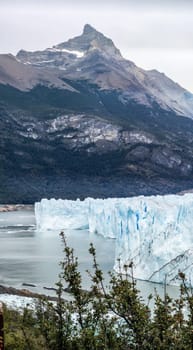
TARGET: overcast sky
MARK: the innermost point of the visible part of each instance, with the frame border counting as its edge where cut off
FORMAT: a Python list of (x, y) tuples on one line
[(154, 34)]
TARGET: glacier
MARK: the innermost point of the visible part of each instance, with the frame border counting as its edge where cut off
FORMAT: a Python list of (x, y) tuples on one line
[(155, 232)]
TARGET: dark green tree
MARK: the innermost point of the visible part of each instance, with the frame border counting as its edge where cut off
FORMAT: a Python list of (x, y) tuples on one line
[(112, 317)]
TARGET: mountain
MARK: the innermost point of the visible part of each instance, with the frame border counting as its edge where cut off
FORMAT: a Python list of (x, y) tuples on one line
[(25, 77), (78, 119), (93, 57)]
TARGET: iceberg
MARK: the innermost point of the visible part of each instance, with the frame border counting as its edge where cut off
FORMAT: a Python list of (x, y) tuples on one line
[(155, 233)]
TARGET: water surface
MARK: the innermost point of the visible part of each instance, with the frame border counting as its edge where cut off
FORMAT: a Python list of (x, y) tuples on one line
[(29, 256)]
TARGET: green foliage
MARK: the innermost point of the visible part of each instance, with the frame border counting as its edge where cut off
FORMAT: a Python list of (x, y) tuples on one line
[(103, 318), (21, 331)]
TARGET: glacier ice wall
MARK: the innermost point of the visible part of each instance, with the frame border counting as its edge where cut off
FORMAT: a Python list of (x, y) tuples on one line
[(61, 214), (156, 232)]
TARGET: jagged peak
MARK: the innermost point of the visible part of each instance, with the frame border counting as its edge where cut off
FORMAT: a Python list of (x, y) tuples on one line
[(88, 29), (91, 39)]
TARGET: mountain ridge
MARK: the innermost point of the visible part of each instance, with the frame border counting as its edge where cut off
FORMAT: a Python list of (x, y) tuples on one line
[(94, 57), (80, 110)]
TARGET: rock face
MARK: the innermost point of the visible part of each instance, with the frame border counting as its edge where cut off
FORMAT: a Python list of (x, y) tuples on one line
[(79, 110)]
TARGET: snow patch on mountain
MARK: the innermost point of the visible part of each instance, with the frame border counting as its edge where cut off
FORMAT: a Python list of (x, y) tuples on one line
[(77, 53)]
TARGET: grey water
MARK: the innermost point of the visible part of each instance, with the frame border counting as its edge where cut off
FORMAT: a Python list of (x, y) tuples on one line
[(28, 256)]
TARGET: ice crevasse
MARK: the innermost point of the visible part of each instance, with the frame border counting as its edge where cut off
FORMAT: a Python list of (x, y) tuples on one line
[(155, 233)]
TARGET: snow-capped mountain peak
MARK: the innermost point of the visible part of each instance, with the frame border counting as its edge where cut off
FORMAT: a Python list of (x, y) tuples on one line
[(93, 57), (90, 39)]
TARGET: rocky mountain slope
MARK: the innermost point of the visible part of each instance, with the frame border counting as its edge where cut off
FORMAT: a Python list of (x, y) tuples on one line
[(93, 57), (81, 113)]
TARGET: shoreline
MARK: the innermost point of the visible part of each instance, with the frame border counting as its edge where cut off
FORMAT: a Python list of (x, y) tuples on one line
[(25, 293), (4, 208)]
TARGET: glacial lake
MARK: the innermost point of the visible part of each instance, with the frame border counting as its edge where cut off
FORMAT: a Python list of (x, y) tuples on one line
[(32, 257)]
